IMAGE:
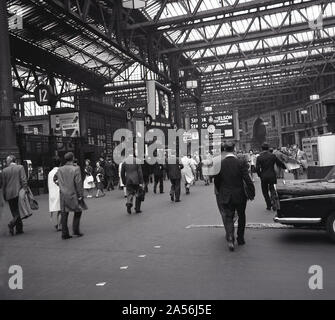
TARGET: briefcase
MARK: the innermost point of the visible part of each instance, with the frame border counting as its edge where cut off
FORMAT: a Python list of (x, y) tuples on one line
[(248, 193), (141, 194)]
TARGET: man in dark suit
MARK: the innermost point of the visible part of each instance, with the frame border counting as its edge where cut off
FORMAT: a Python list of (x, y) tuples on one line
[(132, 176), (158, 170), (12, 181), (265, 168), (110, 173), (68, 178), (231, 195), (174, 173)]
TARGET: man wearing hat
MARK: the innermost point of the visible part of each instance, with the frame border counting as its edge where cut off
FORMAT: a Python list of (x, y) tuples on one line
[(265, 168), (230, 184)]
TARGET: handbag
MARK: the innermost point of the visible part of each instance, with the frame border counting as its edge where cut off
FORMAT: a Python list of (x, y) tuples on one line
[(141, 194), (32, 201), (248, 193)]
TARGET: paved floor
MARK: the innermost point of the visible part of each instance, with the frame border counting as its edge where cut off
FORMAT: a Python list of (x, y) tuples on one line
[(154, 256)]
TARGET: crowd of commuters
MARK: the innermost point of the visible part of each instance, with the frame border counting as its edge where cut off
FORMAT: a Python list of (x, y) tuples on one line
[(69, 184)]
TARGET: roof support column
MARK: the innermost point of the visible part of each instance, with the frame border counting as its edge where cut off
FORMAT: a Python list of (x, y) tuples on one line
[(174, 72), (7, 129)]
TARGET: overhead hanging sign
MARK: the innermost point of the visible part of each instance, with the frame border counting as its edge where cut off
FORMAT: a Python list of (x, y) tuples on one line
[(43, 95), (133, 4), (222, 122)]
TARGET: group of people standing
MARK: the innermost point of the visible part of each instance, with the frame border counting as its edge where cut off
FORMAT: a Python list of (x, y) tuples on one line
[(103, 175)]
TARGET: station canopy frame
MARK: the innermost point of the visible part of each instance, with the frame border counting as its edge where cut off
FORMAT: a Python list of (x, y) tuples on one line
[(244, 53)]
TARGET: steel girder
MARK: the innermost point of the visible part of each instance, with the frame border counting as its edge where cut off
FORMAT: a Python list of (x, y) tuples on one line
[(227, 12), (249, 36)]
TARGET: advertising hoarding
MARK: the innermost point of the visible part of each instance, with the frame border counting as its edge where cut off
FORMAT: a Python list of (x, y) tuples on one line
[(222, 121), (65, 124)]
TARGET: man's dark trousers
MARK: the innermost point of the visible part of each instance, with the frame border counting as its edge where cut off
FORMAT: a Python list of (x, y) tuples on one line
[(175, 188), (266, 188), (110, 183), (227, 211), (159, 179), (132, 191), (75, 223), (14, 209)]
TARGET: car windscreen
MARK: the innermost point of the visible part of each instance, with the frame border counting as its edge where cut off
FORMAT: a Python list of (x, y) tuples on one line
[(331, 175)]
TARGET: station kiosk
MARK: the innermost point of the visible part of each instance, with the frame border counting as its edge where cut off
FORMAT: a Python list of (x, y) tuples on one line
[(320, 152)]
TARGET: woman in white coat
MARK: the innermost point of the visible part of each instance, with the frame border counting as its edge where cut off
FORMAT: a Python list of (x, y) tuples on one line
[(187, 172), (54, 194), (121, 183), (206, 165)]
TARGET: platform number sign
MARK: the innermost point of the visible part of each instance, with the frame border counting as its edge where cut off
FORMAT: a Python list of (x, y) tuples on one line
[(148, 120), (43, 95), (129, 115)]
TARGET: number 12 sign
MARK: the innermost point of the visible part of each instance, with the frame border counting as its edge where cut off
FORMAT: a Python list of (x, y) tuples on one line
[(43, 95)]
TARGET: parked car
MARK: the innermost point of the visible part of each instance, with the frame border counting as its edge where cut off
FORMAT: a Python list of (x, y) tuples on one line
[(308, 203)]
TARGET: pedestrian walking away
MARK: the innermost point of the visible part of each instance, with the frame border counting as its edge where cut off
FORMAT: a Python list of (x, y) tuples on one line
[(230, 184), (13, 179), (174, 168), (132, 176), (265, 168)]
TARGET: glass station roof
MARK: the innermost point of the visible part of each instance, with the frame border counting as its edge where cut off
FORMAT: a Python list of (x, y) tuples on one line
[(231, 46)]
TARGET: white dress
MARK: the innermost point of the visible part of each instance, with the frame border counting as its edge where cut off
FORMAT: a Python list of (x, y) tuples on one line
[(54, 194)]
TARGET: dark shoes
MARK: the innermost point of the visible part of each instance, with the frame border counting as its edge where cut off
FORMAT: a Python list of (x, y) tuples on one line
[(172, 198), (66, 237), (129, 209), (70, 237), (138, 211), (187, 190), (268, 208), (19, 232), (11, 230), (177, 200), (240, 242), (78, 234), (231, 246)]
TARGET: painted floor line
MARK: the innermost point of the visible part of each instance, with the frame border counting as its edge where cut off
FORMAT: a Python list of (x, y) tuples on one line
[(249, 225)]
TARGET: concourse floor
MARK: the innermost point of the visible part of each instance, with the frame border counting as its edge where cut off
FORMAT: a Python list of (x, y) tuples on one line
[(170, 251)]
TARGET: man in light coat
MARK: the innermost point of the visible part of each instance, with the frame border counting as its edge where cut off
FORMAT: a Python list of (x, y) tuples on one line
[(12, 181), (70, 185)]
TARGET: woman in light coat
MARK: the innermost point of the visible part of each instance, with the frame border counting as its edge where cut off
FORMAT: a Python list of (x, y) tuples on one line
[(121, 183), (54, 194), (206, 164), (187, 172)]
